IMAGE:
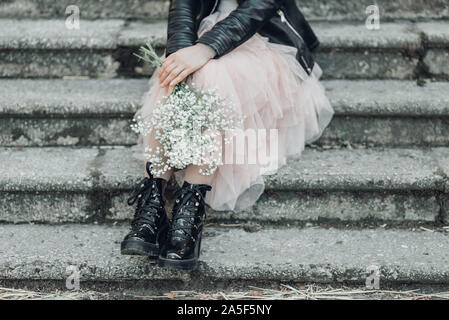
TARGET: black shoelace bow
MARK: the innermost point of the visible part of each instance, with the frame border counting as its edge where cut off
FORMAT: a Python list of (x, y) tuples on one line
[(189, 201), (148, 203)]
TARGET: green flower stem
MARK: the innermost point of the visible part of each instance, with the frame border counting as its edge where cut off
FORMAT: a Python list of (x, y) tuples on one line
[(149, 55)]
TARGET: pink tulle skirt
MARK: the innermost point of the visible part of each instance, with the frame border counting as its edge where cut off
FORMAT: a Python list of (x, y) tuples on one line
[(272, 90)]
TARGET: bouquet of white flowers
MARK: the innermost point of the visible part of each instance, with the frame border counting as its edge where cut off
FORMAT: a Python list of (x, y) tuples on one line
[(190, 125)]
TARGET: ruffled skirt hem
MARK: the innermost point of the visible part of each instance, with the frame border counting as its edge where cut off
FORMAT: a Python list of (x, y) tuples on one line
[(273, 92)]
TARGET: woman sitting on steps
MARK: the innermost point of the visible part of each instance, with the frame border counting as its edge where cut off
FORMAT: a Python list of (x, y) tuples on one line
[(258, 53)]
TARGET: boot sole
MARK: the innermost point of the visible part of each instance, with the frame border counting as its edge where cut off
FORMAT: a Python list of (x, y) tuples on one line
[(185, 264), (135, 247), (139, 248)]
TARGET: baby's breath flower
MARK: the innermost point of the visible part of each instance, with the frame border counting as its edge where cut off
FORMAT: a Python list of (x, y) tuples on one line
[(188, 124)]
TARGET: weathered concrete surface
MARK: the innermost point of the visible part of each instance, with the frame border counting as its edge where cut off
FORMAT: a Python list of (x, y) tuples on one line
[(387, 131), (347, 50), (68, 112), (359, 170), (89, 9), (287, 207), (394, 113), (436, 35), (58, 185), (47, 207), (352, 51), (102, 48), (399, 35), (70, 98), (57, 64), (98, 112), (340, 64), (436, 60), (388, 98), (47, 169), (228, 255), (52, 34), (355, 9), (66, 132), (106, 34), (66, 169), (138, 33), (47, 49), (156, 9), (442, 155), (291, 207)]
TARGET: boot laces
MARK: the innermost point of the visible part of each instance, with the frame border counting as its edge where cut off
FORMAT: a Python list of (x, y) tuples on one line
[(190, 200), (149, 200)]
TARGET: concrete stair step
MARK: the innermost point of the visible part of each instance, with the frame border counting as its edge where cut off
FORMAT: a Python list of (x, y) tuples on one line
[(38, 257), (98, 112), (104, 48), (158, 9), (394, 186)]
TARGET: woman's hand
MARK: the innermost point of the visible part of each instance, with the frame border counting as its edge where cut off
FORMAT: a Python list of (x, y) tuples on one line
[(179, 65)]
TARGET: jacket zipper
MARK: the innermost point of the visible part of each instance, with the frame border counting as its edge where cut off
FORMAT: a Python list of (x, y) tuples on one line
[(284, 20)]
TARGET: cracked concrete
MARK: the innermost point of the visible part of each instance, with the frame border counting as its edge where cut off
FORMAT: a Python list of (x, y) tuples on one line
[(69, 191), (85, 112), (57, 185), (229, 255), (157, 9), (45, 48)]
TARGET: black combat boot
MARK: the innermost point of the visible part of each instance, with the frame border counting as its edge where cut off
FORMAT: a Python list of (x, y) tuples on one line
[(150, 224), (182, 246)]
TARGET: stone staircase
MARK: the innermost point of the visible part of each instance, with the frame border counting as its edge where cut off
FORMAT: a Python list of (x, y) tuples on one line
[(367, 193)]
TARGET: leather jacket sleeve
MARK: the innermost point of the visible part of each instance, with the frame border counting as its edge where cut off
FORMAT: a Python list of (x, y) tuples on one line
[(181, 31), (240, 25)]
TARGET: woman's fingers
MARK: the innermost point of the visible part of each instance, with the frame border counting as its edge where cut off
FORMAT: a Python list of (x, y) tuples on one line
[(170, 70), (167, 63), (172, 75), (167, 73), (181, 64), (164, 73), (166, 91), (178, 79)]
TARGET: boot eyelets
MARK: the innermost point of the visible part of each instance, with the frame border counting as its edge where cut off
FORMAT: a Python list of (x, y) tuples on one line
[(149, 218), (187, 224)]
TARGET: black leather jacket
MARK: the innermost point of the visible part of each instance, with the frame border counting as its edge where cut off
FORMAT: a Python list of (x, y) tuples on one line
[(279, 20)]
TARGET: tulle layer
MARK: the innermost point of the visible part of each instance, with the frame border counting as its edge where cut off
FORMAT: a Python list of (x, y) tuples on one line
[(272, 91)]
